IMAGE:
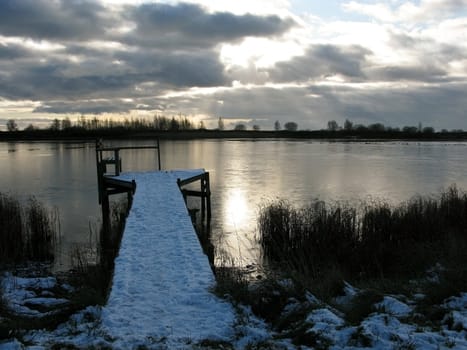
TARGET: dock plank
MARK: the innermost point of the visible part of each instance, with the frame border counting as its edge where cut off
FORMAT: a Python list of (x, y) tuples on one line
[(162, 278)]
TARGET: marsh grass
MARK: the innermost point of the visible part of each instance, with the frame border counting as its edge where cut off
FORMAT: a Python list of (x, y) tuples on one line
[(415, 248), (93, 267), (371, 241), (27, 231), (90, 276)]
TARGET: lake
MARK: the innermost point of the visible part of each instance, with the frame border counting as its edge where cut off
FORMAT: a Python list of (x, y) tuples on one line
[(245, 174)]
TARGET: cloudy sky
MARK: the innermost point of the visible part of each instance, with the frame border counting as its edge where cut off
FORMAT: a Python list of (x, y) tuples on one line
[(253, 61)]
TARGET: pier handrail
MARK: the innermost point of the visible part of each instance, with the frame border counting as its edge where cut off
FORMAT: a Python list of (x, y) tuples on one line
[(100, 149), (106, 185)]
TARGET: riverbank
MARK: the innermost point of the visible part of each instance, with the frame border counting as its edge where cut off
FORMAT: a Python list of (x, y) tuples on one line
[(275, 311), (122, 134), (358, 318)]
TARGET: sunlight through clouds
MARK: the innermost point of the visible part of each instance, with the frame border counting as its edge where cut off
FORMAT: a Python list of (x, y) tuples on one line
[(263, 58)]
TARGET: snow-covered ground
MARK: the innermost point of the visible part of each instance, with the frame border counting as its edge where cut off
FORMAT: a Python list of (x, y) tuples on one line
[(28, 297), (161, 297), (387, 328)]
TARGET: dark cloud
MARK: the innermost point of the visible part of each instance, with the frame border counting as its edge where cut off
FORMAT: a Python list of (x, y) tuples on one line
[(408, 73), (179, 69), (314, 105), (49, 81), (100, 106), (43, 19), (96, 76), (86, 107), (9, 52), (353, 64), (434, 58), (189, 25), (79, 71), (51, 54), (396, 106), (320, 61), (428, 48)]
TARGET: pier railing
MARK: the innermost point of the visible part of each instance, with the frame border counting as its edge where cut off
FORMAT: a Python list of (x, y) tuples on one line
[(109, 167), (204, 193), (107, 183), (111, 156)]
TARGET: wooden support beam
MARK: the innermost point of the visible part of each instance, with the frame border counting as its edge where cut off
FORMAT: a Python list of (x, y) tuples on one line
[(122, 184), (208, 196), (193, 193), (204, 193), (190, 180)]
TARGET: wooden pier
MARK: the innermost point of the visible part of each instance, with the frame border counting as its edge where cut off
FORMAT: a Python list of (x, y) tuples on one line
[(109, 182), (162, 281)]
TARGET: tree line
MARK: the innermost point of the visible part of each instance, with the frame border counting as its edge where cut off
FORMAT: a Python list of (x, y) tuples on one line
[(349, 127), (86, 125), (158, 122)]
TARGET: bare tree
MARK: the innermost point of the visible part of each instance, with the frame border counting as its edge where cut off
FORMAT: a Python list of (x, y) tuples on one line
[(348, 125), (277, 125), (66, 123), (291, 126), (428, 130), (11, 125), (240, 127), (220, 124), (55, 125), (332, 125)]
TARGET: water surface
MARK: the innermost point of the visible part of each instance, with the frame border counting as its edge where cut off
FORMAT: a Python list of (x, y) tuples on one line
[(244, 175)]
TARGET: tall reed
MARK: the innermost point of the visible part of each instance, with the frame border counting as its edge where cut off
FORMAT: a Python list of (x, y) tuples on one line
[(368, 241), (27, 232)]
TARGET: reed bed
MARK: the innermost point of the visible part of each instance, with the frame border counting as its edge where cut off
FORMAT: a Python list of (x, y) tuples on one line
[(372, 240), (94, 265), (27, 231)]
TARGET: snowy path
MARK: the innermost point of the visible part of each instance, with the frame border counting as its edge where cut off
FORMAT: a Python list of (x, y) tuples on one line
[(162, 278)]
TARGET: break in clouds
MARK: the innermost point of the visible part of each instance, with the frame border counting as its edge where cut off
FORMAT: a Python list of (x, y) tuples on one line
[(394, 64)]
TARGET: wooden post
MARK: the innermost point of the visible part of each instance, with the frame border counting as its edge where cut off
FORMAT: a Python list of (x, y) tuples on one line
[(99, 170), (158, 155), (208, 196), (205, 197), (117, 161), (203, 202)]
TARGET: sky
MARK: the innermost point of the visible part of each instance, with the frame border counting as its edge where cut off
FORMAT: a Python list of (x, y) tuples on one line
[(248, 61)]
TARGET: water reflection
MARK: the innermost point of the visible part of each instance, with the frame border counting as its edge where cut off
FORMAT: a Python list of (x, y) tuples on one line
[(236, 209), (244, 175)]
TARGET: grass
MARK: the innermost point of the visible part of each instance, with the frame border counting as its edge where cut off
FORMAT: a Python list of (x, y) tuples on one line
[(93, 278), (373, 241), (415, 248), (90, 277), (27, 231)]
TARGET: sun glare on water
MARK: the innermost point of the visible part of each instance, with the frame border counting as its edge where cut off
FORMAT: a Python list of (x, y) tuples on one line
[(236, 208)]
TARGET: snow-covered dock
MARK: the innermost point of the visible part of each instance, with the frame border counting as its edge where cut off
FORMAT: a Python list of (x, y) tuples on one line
[(162, 279)]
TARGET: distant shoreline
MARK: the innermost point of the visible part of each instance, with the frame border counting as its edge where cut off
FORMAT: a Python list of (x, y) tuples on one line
[(338, 136)]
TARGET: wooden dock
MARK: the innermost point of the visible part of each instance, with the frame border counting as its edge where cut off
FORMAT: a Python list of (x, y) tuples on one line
[(109, 168), (162, 281)]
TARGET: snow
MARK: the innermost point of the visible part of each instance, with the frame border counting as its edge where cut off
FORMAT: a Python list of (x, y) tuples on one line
[(393, 306), (22, 294), (161, 296), (384, 329), (162, 278), (349, 294)]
